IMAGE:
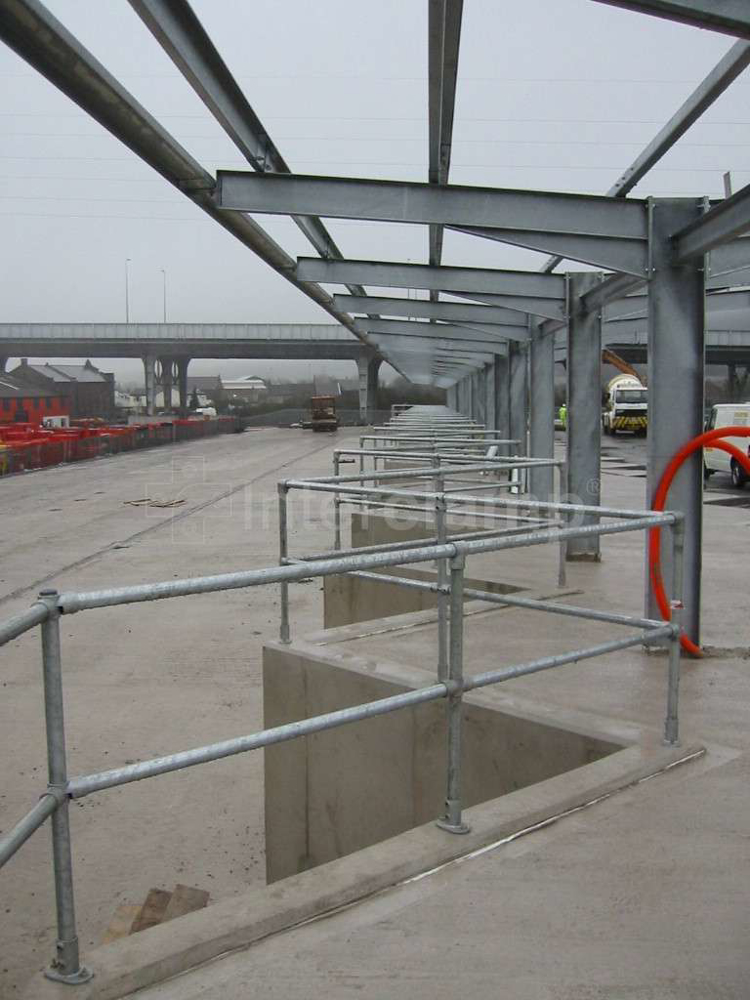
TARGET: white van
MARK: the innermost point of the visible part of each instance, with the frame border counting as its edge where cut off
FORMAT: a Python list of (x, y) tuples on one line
[(716, 460)]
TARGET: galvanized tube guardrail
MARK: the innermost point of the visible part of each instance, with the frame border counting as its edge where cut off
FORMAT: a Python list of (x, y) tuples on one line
[(22, 622)]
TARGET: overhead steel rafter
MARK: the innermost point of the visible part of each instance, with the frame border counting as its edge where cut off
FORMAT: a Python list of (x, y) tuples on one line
[(457, 312), (595, 229), (182, 36), (444, 37), (466, 331), (523, 291), (732, 17), (420, 340), (28, 28), (708, 90), (725, 221)]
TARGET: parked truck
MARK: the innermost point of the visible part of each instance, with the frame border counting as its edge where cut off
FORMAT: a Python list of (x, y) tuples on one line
[(626, 405), (323, 413)]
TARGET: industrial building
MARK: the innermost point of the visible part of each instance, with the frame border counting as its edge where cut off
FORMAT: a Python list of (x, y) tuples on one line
[(21, 402), (88, 391)]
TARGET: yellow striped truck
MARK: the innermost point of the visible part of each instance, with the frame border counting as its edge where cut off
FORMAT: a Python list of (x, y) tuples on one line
[(626, 406)]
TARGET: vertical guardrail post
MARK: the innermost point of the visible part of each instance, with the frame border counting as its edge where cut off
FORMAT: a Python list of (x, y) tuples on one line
[(452, 821), (562, 569), (336, 505), (66, 966), (672, 721), (284, 634), (442, 579)]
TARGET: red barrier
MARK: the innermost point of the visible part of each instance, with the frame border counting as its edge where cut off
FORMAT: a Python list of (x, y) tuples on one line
[(30, 446)]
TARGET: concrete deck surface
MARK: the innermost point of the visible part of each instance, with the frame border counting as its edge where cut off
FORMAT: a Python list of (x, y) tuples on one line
[(144, 679), (642, 896)]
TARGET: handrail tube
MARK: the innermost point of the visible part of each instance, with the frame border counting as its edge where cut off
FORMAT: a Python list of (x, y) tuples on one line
[(22, 622), (416, 542), (326, 486), (88, 783), (28, 824), (547, 662), (425, 472), (80, 601), (561, 609)]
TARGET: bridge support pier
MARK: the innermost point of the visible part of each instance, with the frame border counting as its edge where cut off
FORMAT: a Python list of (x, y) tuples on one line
[(3, 363), (367, 370), (167, 380), (149, 372), (584, 419), (182, 383)]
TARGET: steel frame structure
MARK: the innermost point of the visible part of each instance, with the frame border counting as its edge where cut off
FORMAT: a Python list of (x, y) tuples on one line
[(496, 371)]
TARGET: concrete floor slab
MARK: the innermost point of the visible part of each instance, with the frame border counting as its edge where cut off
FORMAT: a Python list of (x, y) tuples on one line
[(644, 900)]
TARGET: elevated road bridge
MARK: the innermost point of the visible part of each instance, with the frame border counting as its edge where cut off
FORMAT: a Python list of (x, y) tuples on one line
[(166, 349)]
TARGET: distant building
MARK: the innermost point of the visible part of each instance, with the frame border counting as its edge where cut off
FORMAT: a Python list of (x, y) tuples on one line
[(249, 388), (22, 403), (205, 385), (89, 392)]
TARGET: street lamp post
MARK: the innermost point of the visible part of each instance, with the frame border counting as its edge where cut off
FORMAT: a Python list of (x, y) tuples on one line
[(127, 291), (164, 293)]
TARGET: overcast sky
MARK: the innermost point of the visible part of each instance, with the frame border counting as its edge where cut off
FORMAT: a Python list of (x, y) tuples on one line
[(553, 94)]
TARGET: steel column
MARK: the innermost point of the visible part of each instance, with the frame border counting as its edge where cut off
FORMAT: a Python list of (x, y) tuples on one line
[(676, 321), (373, 369), (502, 397), (490, 418), (542, 411), (367, 371), (480, 385), (584, 402), (519, 394)]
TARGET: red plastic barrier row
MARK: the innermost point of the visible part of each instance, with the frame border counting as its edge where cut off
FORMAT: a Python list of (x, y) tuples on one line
[(28, 446)]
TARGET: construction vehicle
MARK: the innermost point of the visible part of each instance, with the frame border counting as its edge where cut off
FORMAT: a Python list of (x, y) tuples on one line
[(323, 413), (626, 405)]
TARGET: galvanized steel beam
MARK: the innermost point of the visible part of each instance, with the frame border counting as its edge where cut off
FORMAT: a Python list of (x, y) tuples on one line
[(182, 36), (43, 42), (602, 221), (541, 412), (676, 379), (444, 37), (519, 395), (415, 328), (708, 90), (424, 344), (722, 223), (731, 17), (448, 279), (457, 312), (584, 410)]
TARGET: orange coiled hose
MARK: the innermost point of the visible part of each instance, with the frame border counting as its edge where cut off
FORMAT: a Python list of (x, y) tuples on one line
[(660, 499)]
